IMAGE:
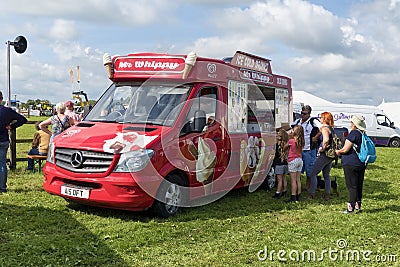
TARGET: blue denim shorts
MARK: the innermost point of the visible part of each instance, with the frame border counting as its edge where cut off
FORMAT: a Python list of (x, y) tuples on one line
[(281, 169)]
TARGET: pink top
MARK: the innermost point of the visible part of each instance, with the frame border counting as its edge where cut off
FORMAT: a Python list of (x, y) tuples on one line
[(294, 152)]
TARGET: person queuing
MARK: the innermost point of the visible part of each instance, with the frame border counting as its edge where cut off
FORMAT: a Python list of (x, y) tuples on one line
[(59, 122), (353, 168), (311, 137), (40, 145), (280, 162), (295, 162), (9, 119), (323, 163)]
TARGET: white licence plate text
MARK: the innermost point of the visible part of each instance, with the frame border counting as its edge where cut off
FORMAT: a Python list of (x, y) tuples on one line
[(74, 192)]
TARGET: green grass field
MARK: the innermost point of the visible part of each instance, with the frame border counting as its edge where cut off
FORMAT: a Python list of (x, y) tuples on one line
[(242, 228)]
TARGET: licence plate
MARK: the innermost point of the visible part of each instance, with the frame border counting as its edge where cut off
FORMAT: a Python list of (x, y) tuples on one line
[(73, 191)]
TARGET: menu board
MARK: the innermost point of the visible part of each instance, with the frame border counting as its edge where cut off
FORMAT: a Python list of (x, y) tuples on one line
[(281, 107), (237, 107)]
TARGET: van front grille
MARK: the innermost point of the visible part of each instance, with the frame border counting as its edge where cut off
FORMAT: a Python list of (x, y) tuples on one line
[(83, 161)]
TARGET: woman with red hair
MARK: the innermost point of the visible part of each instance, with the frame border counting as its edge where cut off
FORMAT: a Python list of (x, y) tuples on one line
[(323, 163)]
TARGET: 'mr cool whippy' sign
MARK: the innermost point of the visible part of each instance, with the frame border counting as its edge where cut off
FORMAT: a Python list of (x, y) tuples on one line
[(149, 64)]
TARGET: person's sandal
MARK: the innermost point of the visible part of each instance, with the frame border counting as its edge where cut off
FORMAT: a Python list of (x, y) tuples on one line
[(349, 209)]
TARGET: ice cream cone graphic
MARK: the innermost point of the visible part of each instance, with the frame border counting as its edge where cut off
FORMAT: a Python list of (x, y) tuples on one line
[(107, 62), (193, 150), (189, 63), (243, 161), (261, 156), (205, 165)]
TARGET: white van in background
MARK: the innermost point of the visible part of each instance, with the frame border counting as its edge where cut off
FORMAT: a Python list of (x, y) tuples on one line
[(380, 128)]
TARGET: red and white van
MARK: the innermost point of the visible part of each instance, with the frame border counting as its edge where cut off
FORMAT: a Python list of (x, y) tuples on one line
[(172, 131)]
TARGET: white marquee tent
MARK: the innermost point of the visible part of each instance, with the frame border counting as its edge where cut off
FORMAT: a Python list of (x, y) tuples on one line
[(309, 99)]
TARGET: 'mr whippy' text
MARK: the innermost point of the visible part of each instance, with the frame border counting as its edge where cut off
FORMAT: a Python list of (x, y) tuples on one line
[(149, 64)]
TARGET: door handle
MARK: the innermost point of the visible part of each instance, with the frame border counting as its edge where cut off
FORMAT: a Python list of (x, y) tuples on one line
[(216, 138)]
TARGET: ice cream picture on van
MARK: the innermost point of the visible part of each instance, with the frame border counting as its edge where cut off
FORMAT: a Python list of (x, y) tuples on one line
[(124, 142), (205, 163), (251, 158)]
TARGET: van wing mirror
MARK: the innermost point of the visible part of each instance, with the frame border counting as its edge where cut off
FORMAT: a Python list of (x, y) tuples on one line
[(392, 125), (199, 121)]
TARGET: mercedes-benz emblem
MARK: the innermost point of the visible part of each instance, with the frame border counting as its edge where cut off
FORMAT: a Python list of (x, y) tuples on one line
[(77, 159)]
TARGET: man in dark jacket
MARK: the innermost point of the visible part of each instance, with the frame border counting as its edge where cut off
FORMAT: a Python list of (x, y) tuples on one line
[(9, 119)]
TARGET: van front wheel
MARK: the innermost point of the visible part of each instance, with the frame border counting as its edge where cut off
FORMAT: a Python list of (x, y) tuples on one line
[(395, 142), (270, 180), (170, 196)]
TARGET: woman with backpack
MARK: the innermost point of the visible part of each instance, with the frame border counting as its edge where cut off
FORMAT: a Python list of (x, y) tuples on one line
[(353, 168), (324, 161), (59, 122)]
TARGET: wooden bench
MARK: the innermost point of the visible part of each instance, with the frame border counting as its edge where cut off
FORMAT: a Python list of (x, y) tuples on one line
[(37, 159)]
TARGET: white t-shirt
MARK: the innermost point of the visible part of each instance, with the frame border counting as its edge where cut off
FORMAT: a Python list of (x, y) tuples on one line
[(307, 127)]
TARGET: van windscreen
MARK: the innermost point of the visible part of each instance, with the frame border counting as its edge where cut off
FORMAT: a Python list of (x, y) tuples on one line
[(145, 103)]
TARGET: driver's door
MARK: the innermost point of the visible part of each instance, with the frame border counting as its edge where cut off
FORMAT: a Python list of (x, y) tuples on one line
[(203, 150)]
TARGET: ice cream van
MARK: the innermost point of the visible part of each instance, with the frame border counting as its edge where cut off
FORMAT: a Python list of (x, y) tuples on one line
[(172, 131)]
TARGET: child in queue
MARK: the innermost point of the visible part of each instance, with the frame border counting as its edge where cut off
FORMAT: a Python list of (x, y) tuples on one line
[(295, 162), (280, 162)]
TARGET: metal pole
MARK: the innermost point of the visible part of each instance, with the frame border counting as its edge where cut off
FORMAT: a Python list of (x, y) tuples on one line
[(20, 46), (8, 74), (12, 133)]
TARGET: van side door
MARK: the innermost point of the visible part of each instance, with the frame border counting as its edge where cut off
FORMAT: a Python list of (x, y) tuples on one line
[(204, 150)]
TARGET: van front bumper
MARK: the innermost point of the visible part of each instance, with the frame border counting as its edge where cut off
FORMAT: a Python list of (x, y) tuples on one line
[(115, 191)]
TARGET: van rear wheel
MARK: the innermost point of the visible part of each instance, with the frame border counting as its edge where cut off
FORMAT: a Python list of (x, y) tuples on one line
[(395, 142), (170, 196)]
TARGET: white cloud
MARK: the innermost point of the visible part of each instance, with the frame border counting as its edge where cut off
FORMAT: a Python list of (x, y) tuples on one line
[(139, 12), (350, 35), (63, 30), (224, 47), (295, 23), (322, 52)]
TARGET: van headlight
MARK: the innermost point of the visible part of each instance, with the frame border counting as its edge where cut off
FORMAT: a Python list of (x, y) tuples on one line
[(134, 161), (50, 153)]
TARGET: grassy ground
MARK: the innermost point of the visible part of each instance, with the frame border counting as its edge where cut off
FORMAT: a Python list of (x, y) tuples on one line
[(38, 229)]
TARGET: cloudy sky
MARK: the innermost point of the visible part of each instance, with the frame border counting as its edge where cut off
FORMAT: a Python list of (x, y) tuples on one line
[(343, 50)]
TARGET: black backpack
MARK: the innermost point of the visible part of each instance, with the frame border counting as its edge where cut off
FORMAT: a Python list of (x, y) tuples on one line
[(314, 132)]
